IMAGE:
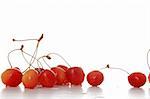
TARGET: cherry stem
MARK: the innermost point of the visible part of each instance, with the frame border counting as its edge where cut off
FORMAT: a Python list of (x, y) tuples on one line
[(116, 68), (48, 56), (148, 58), (8, 57), (36, 49), (22, 52), (25, 40), (103, 68), (42, 57)]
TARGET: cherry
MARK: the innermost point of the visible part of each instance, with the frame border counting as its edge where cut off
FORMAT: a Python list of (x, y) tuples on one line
[(47, 78), (95, 78), (11, 77), (65, 68), (39, 70), (75, 75), (137, 79), (60, 75), (30, 79)]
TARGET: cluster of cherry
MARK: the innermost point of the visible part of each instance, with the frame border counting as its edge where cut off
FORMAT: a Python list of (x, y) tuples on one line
[(59, 75)]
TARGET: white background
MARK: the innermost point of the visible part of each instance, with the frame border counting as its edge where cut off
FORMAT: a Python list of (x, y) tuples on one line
[(88, 33)]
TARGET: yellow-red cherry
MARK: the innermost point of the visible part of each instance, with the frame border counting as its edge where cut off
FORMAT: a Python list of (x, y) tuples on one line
[(30, 79), (12, 77)]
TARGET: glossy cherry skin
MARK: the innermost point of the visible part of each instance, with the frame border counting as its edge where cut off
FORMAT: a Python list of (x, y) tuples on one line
[(11, 77), (75, 75), (63, 67), (137, 79), (60, 75), (39, 70), (47, 78), (30, 79), (95, 78)]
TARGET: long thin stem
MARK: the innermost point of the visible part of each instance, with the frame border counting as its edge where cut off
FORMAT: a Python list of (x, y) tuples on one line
[(60, 57), (36, 49), (46, 62), (42, 57), (24, 40), (34, 55), (103, 68), (148, 58), (38, 62), (22, 52), (8, 57), (117, 69), (26, 59)]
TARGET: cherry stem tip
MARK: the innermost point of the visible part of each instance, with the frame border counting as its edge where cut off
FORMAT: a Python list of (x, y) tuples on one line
[(48, 57), (22, 46), (40, 38), (107, 66), (13, 40)]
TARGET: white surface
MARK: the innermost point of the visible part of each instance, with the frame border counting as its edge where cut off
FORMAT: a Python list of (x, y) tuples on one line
[(88, 33)]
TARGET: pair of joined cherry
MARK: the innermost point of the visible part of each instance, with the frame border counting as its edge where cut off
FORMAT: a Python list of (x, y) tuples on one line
[(59, 75), (136, 79)]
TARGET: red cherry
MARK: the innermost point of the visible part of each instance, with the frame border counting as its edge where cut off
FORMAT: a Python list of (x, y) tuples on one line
[(95, 78), (11, 77), (39, 70), (75, 75), (60, 75), (63, 67), (47, 78), (137, 79), (30, 79)]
